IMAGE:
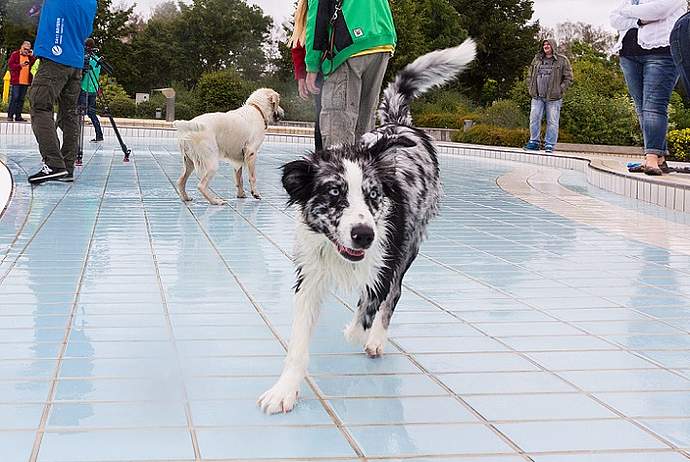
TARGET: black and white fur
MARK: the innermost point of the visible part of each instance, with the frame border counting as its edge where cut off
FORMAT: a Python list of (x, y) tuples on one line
[(364, 210)]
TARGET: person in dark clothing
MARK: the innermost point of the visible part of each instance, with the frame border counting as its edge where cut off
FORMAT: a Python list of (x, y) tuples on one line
[(63, 27), (19, 65), (90, 88), (550, 75)]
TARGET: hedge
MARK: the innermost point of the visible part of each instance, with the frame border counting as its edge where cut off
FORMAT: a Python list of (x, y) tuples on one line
[(679, 144), (493, 136)]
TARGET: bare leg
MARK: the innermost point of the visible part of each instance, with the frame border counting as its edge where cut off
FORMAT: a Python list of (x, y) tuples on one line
[(238, 184), (187, 170), (283, 395), (203, 188), (251, 167)]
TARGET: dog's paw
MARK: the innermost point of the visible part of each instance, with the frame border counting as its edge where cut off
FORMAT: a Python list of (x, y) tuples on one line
[(355, 333), (375, 343), (280, 398), (256, 195)]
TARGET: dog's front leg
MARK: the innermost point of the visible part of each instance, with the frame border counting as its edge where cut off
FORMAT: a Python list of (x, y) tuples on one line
[(283, 395)]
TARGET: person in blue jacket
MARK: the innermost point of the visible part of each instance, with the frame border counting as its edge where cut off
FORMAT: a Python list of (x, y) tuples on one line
[(63, 27)]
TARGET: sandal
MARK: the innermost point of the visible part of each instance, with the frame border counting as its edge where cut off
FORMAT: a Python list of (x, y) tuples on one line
[(664, 167), (653, 171)]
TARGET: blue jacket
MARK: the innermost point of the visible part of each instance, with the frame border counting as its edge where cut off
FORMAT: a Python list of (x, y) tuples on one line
[(62, 29)]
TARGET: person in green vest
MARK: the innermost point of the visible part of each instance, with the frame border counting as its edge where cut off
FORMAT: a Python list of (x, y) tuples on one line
[(90, 87), (350, 43)]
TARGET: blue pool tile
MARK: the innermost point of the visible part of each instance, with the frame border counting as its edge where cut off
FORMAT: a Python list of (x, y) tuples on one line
[(648, 404), (140, 444), (675, 431), (475, 362), (20, 416), (83, 348), (161, 388), (245, 412), (362, 364), (34, 391), (15, 446), (413, 440), (584, 435), (218, 388), (379, 386), (538, 407), (114, 415), (401, 410), (229, 347), (284, 442), (504, 382), (638, 380), (450, 345), (612, 457), (34, 369), (585, 360)]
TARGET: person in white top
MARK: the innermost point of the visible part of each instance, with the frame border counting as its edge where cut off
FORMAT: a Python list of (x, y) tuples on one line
[(644, 28)]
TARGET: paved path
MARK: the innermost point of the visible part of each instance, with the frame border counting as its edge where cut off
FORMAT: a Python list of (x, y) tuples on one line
[(545, 320)]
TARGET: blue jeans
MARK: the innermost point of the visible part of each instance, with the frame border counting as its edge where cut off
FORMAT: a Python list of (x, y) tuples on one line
[(14, 110), (680, 49), (88, 102), (650, 80), (553, 114)]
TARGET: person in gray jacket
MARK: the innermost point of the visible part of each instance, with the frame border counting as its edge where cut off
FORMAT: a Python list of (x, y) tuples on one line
[(550, 75)]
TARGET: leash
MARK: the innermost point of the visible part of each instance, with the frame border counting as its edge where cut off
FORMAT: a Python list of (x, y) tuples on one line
[(262, 114), (330, 53)]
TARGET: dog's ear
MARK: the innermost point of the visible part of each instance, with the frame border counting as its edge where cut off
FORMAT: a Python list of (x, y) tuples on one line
[(274, 97), (298, 180)]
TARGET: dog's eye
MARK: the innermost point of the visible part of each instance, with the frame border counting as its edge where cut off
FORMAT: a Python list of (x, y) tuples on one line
[(334, 192), (374, 193)]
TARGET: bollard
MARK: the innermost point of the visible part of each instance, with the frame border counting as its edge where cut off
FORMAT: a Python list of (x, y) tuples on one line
[(169, 94), (467, 124), (159, 113), (6, 87)]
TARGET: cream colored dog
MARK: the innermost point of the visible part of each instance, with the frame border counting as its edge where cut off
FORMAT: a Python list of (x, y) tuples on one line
[(234, 136)]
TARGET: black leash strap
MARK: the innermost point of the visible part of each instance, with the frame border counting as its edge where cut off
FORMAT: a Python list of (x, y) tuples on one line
[(330, 53)]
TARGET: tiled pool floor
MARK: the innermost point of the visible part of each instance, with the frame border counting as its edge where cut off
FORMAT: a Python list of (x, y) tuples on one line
[(134, 327)]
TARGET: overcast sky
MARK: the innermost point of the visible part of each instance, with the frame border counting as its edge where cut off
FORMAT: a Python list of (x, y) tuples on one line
[(549, 12)]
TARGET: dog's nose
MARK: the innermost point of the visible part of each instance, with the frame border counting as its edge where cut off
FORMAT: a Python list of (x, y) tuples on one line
[(362, 236)]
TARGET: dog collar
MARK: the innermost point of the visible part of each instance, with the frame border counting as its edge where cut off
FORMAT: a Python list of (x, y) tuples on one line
[(262, 114)]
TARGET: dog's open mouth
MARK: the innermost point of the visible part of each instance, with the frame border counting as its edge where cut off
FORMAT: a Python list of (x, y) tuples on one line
[(348, 253)]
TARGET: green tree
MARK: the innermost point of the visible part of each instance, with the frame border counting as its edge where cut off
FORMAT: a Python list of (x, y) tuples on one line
[(506, 39)]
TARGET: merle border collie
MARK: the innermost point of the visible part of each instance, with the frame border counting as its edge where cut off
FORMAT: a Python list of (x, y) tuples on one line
[(364, 209)]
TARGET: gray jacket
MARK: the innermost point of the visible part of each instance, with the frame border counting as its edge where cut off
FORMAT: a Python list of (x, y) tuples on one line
[(561, 78)]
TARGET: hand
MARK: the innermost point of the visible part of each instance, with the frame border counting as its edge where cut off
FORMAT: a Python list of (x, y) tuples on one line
[(302, 89), (311, 83)]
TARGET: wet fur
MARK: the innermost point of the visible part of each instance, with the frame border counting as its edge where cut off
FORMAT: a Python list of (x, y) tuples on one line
[(389, 182)]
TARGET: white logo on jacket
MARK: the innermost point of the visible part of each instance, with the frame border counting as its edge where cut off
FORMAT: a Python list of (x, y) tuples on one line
[(56, 50)]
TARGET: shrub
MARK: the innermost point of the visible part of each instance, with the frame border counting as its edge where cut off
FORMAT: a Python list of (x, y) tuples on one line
[(221, 91), (183, 111), (678, 113), (679, 144), (493, 136), (440, 120), (123, 107), (440, 101), (597, 119), (504, 113)]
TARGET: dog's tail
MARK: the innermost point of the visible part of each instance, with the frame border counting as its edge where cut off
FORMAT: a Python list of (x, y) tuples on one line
[(188, 126), (428, 71)]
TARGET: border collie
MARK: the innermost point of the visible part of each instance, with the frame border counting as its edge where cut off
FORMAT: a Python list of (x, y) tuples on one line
[(364, 210)]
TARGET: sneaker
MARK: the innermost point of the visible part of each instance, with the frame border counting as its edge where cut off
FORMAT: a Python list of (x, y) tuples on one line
[(20, 119), (96, 140), (531, 146), (69, 178), (46, 174), (10, 119), (548, 148)]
